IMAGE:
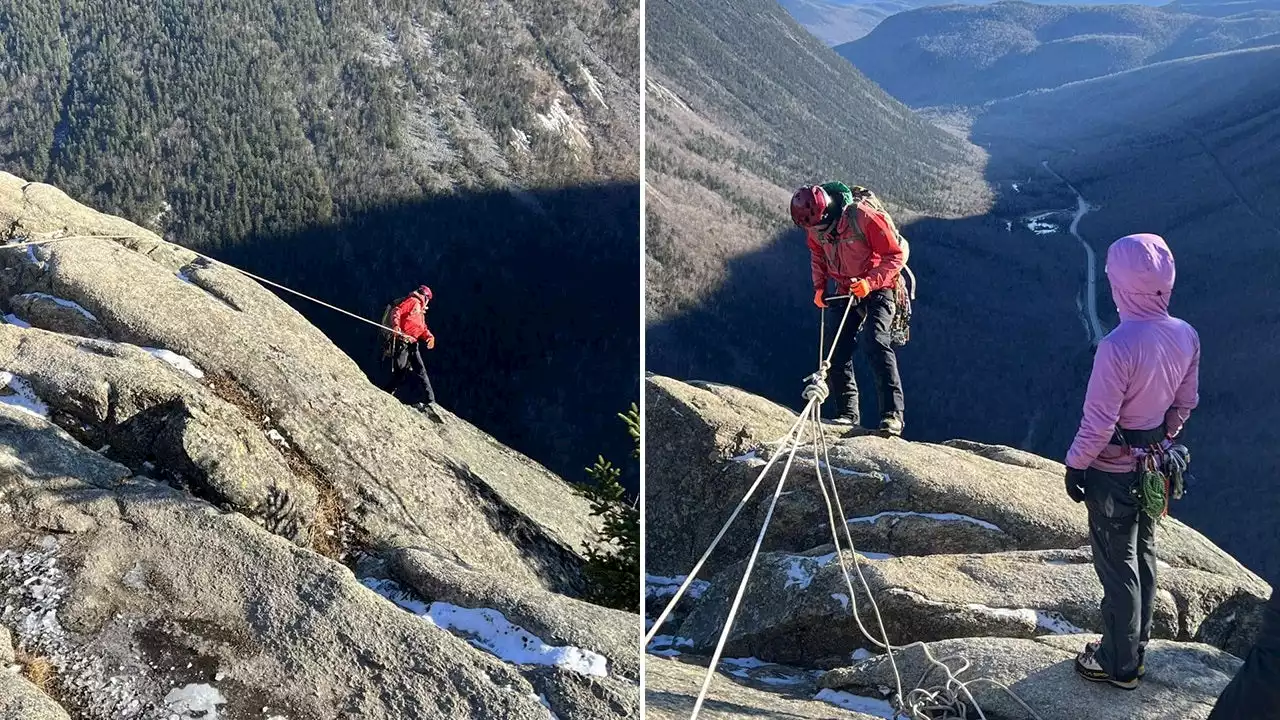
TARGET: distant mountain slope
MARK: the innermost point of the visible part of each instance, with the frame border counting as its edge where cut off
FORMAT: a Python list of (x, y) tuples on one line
[(840, 21), (743, 106), (836, 22), (1222, 8), (967, 55), (1189, 149), (353, 150)]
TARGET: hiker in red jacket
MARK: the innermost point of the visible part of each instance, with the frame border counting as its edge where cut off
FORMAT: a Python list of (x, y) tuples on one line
[(409, 319), (854, 244)]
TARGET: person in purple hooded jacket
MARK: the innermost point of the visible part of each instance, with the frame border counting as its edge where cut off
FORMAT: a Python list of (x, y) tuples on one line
[(1144, 385)]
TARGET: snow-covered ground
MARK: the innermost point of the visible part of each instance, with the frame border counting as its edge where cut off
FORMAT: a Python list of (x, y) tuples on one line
[(489, 630), (17, 393)]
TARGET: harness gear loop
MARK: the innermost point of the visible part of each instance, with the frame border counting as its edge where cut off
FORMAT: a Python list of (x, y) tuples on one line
[(1162, 469)]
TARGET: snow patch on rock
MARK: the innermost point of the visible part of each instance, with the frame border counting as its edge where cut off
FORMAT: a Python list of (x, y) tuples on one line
[(857, 703), (489, 630), (801, 569), (64, 303), (194, 701), (592, 85), (660, 586), (944, 517), (16, 392), (180, 362), (558, 120)]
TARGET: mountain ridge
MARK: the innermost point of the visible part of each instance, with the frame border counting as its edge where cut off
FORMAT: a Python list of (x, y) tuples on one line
[(968, 55)]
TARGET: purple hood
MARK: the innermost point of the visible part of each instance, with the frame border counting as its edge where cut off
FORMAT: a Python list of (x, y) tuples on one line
[(1140, 268)]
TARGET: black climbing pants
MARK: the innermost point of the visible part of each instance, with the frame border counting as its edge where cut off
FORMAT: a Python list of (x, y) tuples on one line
[(1254, 692), (406, 363), (1124, 555), (868, 325)]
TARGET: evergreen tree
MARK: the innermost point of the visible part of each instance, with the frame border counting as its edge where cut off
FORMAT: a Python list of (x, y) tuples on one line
[(613, 566)]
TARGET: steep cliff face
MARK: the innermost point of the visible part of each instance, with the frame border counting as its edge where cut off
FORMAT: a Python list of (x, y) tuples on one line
[(209, 507), (972, 549)]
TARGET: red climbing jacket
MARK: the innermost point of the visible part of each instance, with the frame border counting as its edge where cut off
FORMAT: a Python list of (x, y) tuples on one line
[(410, 318), (868, 250)]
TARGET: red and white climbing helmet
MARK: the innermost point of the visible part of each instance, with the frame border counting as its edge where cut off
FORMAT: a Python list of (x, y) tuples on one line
[(808, 205)]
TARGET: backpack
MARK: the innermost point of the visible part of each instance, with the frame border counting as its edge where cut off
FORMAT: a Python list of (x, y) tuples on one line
[(387, 340), (900, 328)]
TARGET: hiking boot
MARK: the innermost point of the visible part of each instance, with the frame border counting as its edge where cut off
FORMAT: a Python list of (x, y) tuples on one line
[(1088, 668), (846, 418), (1142, 657), (891, 424)]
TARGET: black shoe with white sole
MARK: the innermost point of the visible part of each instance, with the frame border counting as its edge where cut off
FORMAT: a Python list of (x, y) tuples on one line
[(1088, 668)]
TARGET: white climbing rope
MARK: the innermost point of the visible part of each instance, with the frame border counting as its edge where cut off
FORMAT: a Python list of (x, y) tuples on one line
[(746, 575), (693, 574), (922, 702), (246, 273), (951, 699)]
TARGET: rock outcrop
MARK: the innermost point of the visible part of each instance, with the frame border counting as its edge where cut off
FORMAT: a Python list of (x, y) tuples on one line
[(190, 473), (970, 548)]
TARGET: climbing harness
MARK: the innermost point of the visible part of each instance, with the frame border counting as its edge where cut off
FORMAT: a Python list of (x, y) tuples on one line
[(947, 698), (246, 273), (1161, 467)]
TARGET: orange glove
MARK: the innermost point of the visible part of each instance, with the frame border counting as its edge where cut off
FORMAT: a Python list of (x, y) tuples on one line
[(431, 342), (860, 289), (818, 300)]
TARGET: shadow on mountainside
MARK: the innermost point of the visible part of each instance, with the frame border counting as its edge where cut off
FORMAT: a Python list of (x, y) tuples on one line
[(535, 311), (1000, 352)]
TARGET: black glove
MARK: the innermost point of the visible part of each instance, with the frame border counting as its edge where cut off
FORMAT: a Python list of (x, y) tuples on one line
[(1075, 484)]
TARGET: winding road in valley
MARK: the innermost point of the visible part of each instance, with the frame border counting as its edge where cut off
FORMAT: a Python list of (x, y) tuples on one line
[(1092, 321)]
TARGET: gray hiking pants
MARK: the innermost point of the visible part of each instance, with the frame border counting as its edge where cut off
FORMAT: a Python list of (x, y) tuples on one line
[(1254, 692), (1124, 554)]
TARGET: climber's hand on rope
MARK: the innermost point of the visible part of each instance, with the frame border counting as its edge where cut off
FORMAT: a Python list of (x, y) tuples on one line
[(1075, 484), (817, 298), (860, 288)]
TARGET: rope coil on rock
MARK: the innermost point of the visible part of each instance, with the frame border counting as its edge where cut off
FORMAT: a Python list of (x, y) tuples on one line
[(949, 699), (246, 273)]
